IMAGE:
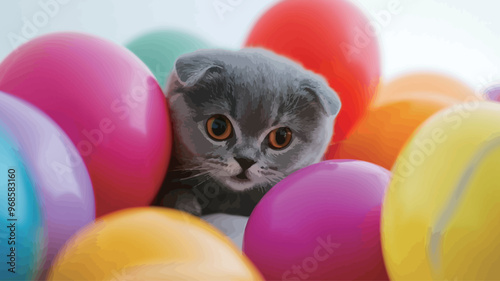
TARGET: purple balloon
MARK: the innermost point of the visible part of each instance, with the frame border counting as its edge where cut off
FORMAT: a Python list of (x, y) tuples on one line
[(321, 223), (493, 93), (61, 180)]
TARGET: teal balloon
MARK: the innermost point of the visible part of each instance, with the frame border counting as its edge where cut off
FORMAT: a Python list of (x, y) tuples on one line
[(21, 228), (159, 50)]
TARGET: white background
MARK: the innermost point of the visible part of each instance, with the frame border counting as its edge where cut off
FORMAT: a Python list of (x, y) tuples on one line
[(458, 37)]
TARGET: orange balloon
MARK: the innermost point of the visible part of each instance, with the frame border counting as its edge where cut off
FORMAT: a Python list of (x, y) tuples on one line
[(397, 110), (151, 244), (418, 84), (384, 130)]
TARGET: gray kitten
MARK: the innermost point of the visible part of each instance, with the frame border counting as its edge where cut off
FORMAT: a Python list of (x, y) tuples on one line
[(242, 121)]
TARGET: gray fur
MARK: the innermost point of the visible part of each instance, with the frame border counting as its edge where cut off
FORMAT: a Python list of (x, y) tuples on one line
[(258, 91)]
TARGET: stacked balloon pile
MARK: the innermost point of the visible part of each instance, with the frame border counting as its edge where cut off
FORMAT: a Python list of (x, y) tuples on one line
[(408, 190)]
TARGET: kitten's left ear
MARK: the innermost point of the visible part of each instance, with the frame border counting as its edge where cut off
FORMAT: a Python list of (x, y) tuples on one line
[(193, 67), (326, 96)]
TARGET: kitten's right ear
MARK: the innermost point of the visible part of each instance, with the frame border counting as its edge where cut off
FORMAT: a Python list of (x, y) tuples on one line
[(327, 97), (193, 67)]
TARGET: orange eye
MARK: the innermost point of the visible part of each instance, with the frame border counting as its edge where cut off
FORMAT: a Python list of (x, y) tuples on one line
[(280, 138), (219, 127)]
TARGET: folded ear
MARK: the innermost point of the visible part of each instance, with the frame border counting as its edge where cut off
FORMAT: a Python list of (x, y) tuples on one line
[(193, 67), (322, 93)]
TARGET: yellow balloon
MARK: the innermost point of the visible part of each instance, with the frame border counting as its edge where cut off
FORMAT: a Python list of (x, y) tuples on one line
[(440, 219), (151, 244)]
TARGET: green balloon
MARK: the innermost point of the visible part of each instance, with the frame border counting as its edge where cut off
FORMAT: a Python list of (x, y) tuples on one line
[(159, 50)]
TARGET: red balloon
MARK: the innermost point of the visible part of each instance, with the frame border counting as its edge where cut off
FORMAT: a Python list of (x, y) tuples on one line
[(107, 102), (332, 38)]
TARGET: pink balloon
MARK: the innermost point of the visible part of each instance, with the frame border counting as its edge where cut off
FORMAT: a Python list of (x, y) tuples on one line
[(107, 102), (321, 223)]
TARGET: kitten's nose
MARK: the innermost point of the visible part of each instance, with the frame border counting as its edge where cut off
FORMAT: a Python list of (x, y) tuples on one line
[(244, 162)]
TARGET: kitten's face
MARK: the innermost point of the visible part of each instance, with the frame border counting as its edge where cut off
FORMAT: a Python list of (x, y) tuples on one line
[(247, 119)]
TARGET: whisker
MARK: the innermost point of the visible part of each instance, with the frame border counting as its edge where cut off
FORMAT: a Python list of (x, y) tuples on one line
[(203, 181), (196, 175), (262, 189), (185, 169), (274, 179)]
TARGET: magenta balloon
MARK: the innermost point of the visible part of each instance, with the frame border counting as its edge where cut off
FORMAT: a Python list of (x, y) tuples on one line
[(321, 223), (58, 173), (108, 103)]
